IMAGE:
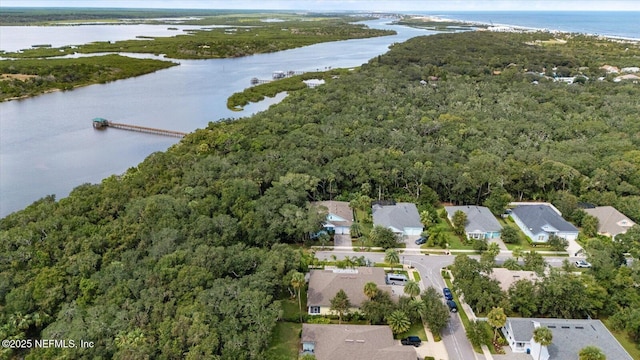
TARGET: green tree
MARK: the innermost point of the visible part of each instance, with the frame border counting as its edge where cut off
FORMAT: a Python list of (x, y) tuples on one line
[(370, 290), (298, 282), (459, 221), (398, 322), (412, 288), (523, 298), (340, 304), (510, 235), (436, 314), (590, 226), (477, 333), (497, 319), (391, 257), (356, 230), (383, 237), (557, 243), (543, 336), (591, 353), (497, 201)]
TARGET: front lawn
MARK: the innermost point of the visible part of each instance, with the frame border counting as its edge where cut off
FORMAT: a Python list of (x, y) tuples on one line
[(416, 329)]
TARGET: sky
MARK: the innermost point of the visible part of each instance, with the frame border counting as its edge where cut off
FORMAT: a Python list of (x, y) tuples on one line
[(369, 5)]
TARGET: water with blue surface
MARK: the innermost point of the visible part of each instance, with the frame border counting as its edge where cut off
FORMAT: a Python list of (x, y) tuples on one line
[(48, 146), (606, 23)]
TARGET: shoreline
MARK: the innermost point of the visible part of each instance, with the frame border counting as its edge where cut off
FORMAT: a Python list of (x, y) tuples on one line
[(516, 28)]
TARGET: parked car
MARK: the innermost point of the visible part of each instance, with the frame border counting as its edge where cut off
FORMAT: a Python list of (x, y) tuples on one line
[(447, 294), (582, 264), (411, 340), (453, 307), (421, 240)]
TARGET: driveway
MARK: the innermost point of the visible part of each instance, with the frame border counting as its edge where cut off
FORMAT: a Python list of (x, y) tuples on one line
[(410, 241), (342, 240)]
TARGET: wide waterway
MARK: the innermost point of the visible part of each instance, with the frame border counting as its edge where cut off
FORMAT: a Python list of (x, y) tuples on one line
[(47, 143)]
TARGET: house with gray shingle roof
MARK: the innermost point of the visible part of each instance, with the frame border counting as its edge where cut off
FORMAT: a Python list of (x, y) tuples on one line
[(325, 284), (540, 221), (481, 224), (402, 218), (353, 342), (339, 216), (569, 337), (611, 222)]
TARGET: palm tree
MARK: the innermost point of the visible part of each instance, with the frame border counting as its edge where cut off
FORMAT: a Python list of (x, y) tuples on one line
[(517, 252), (391, 257), (370, 290), (412, 288), (398, 322), (591, 353), (543, 336), (496, 318), (298, 281)]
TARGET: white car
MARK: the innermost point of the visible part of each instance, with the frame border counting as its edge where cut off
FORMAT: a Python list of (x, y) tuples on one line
[(582, 264)]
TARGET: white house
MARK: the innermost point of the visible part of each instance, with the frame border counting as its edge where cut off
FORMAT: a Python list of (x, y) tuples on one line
[(569, 337), (539, 221)]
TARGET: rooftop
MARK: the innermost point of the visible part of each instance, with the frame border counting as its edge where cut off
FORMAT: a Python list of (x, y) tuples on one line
[(325, 284), (542, 218), (479, 218), (355, 342), (610, 221), (398, 216), (343, 214), (507, 277), (570, 336)]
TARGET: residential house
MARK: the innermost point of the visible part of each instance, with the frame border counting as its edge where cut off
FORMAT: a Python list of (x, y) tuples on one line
[(539, 221), (339, 216), (402, 218), (610, 69), (507, 277), (481, 224), (569, 337), (611, 222), (325, 284), (353, 342), (631, 77)]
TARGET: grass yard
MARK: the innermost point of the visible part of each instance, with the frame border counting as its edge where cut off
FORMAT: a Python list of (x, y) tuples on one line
[(632, 348), (285, 341), (416, 329)]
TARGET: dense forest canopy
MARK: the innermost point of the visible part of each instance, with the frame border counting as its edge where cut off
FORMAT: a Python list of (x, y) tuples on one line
[(182, 255)]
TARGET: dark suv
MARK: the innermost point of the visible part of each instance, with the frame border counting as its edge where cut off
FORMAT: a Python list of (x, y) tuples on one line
[(411, 340), (447, 294)]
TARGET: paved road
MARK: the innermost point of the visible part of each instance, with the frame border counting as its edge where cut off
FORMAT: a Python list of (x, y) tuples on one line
[(454, 336)]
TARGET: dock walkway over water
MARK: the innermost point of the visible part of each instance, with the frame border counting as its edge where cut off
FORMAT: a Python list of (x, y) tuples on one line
[(100, 123)]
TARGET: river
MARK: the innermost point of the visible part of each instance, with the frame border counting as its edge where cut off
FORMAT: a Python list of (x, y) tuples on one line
[(48, 145)]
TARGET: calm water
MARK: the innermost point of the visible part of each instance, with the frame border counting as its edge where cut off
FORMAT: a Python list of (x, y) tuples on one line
[(48, 145), (609, 23)]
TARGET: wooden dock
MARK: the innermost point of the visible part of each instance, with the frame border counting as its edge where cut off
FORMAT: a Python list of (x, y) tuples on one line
[(100, 123)]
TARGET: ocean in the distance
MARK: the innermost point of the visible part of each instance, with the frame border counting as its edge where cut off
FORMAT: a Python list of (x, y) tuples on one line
[(607, 23)]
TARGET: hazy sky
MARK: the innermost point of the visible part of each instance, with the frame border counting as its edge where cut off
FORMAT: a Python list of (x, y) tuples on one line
[(372, 5)]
